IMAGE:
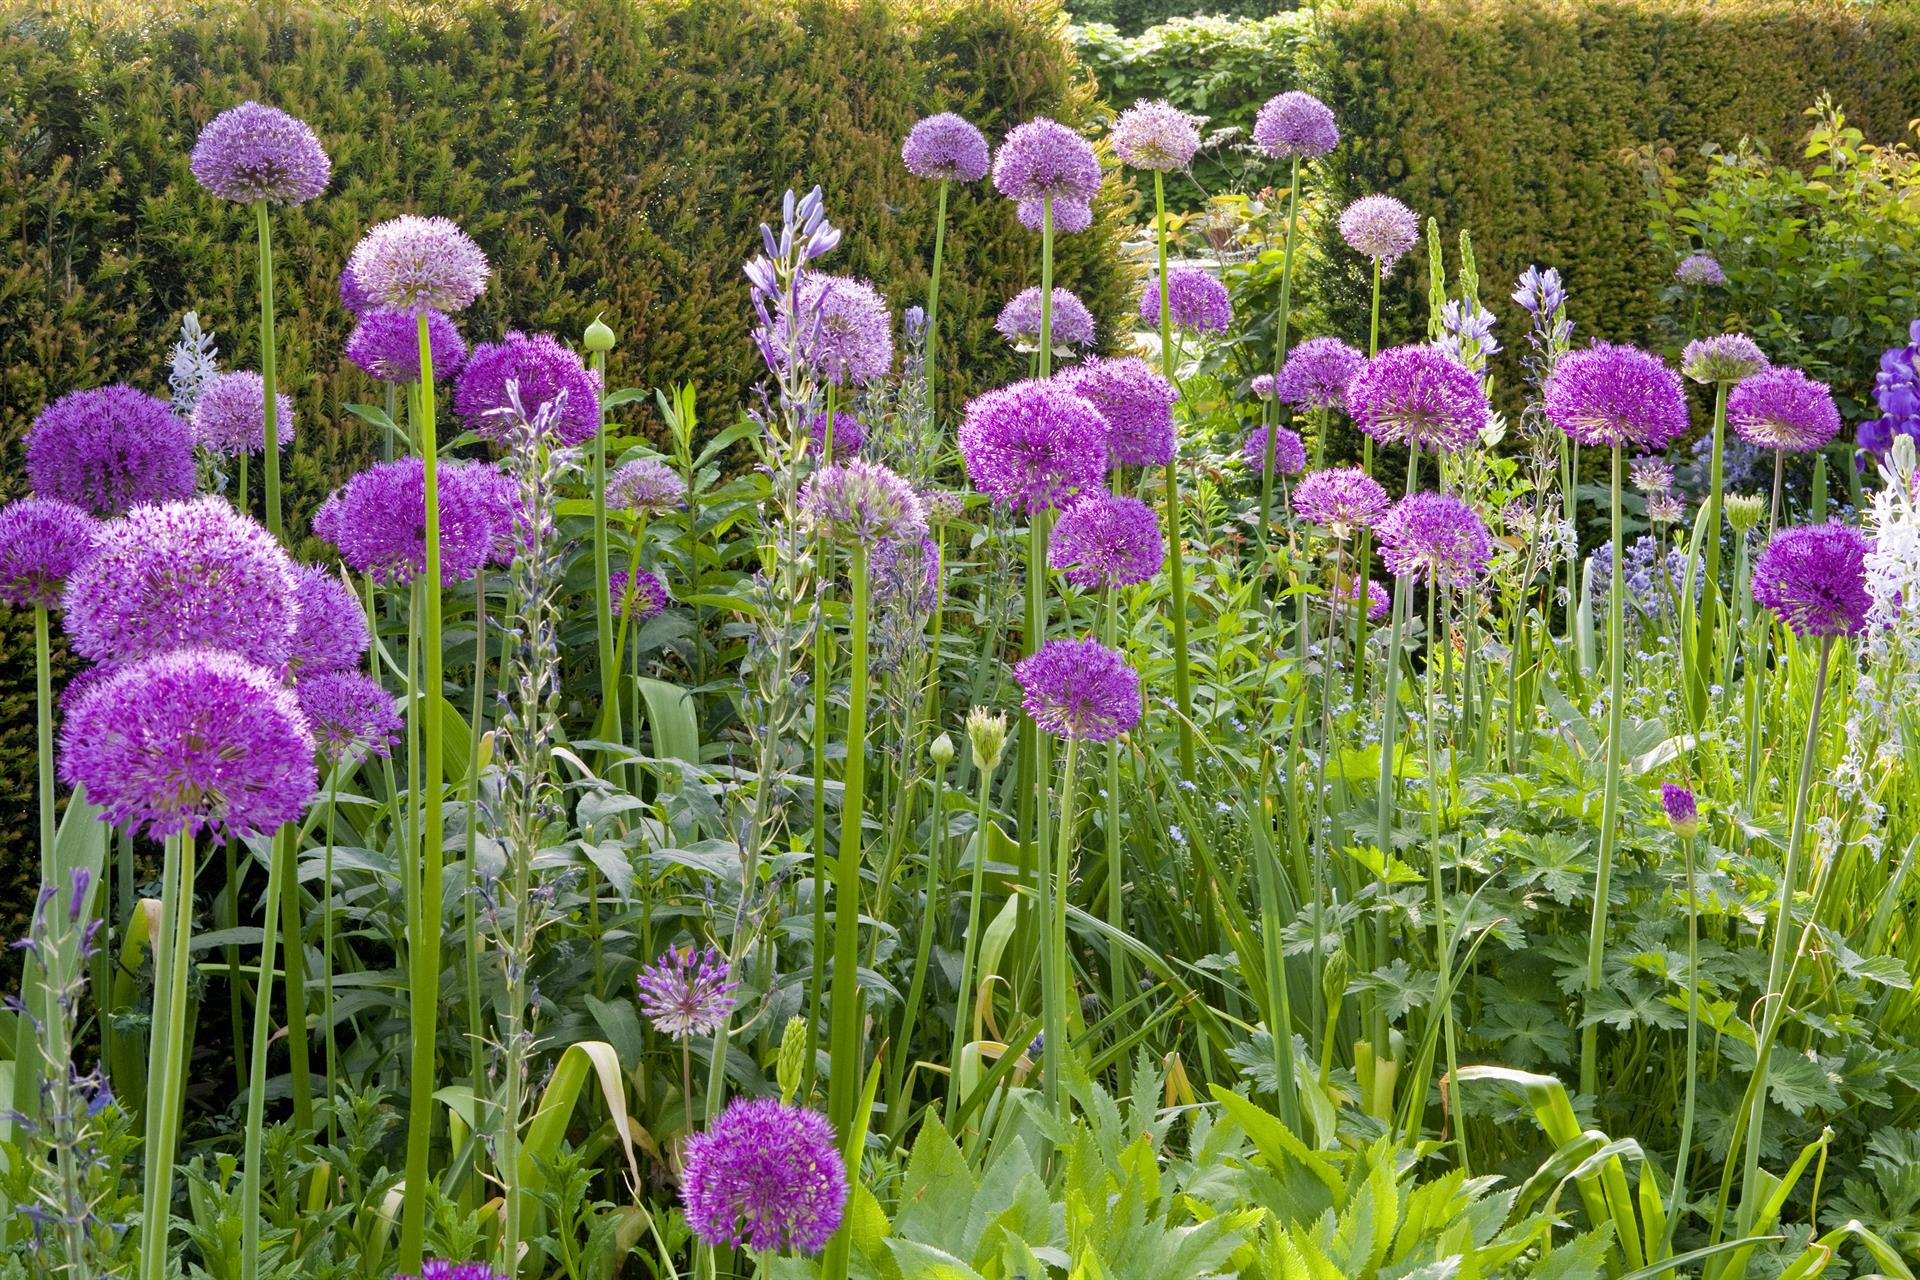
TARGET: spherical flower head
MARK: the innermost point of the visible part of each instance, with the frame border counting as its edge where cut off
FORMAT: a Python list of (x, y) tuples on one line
[(1725, 357), (1698, 270), (386, 345), (1034, 444), (1137, 404), (230, 415), (546, 372), (352, 295), (1380, 227), (1421, 397), (906, 571), (1437, 538), (1261, 385), (330, 630), (1295, 124), (1664, 507), (1044, 158), (1316, 374), (946, 148), (409, 263), (381, 524), (687, 993), (1070, 325), (184, 575), (646, 486), (256, 152), (1610, 394), (1289, 452), (1343, 499), (1196, 301), (348, 714), (846, 331), (849, 433), (1155, 136), (1379, 602), (642, 598), (765, 1176), (1814, 579), (192, 740), (1651, 474), (943, 506), (1069, 216), (43, 541), (861, 502), (1104, 541), (1079, 689), (1783, 409), (438, 1269), (485, 492), (109, 449), (1683, 812)]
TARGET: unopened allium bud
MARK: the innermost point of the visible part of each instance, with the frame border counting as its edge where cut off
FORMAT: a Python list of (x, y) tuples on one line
[(1683, 814), (598, 337), (942, 751), (1744, 510), (987, 733), (1333, 979), (794, 1044)]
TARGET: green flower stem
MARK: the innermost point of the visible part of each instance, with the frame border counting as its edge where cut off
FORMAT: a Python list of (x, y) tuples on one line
[(923, 949), (1057, 969), (1708, 620), (1279, 349), (1436, 885), (1373, 327), (167, 1052), (43, 726), (1176, 555), (270, 425), (1678, 1195), (933, 301), (1032, 788), (331, 1040), (470, 797), (602, 590), (257, 1080), (970, 947), (229, 918), (1121, 984), (292, 926), (1610, 799), (240, 483), (1779, 475), (1389, 773), (822, 669)]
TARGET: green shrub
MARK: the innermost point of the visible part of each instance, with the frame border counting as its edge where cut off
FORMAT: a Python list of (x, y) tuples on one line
[(1132, 16)]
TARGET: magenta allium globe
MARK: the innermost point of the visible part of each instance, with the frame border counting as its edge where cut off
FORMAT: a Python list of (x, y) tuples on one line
[(546, 372), (413, 264), (183, 575), (1814, 579), (845, 329), (861, 502), (1698, 270), (1783, 408), (646, 486), (1044, 158), (1683, 811), (1196, 301), (109, 449), (492, 495), (765, 1176), (1295, 124), (1378, 601), (946, 148), (1261, 385), (1380, 227), (1421, 397), (849, 433), (1724, 357), (1435, 538), (1610, 395), (687, 992), (330, 630), (1155, 136), (190, 741), (1342, 499), (348, 713), (1034, 444), (1103, 541), (1137, 404), (1316, 374), (386, 345), (1289, 452), (645, 592), (380, 524), (440, 1269), (230, 417), (256, 152), (352, 295), (1069, 216), (1079, 689), (1070, 325), (43, 541)]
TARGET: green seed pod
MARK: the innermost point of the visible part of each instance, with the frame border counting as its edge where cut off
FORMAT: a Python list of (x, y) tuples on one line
[(1333, 979)]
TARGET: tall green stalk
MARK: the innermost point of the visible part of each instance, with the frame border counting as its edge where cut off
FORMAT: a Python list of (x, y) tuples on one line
[(1057, 967), (1678, 1197), (1610, 799), (1176, 558), (602, 588), (970, 945), (1279, 349), (292, 925), (257, 1080), (933, 303), (269, 405), (167, 1052)]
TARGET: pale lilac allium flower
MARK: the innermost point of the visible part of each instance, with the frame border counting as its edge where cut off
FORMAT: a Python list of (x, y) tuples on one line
[(43, 541), (108, 449), (1136, 403), (1651, 474), (386, 345), (1724, 357), (1698, 270), (943, 506), (861, 502), (1683, 812), (1070, 324), (1344, 499), (688, 993), (352, 296), (650, 596), (1295, 124), (1614, 395), (1437, 538), (1196, 301), (1044, 158), (1289, 453), (945, 147), (1261, 385), (765, 1176), (647, 486), (1316, 374), (1380, 227), (546, 372), (1814, 579), (380, 521), (1069, 216), (1105, 541), (845, 329), (229, 416), (1783, 408), (904, 570), (1034, 444), (849, 433), (1155, 136), (410, 263), (1664, 507), (330, 628), (348, 713), (1080, 690), (1421, 397), (255, 152)]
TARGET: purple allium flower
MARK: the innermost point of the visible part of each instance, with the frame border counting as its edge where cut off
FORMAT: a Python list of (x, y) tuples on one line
[(230, 414), (437, 1269), (1380, 227), (256, 152), (1611, 394), (1435, 537), (348, 712), (1651, 474), (862, 502), (765, 1176), (1034, 444), (846, 331), (896, 566), (193, 740), (1344, 499), (545, 370), (381, 523), (1071, 322), (1261, 385), (1196, 301), (352, 296), (183, 575), (1316, 374), (646, 485), (1814, 578), (687, 993), (1725, 357), (411, 262), (1664, 507), (1069, 216), (1683, 813), (1783, 409), (109, 449), (1103, 541), (330, 631), (1295, 124), (43, 541), (945, 147), (1699, 269), (943, 506), (386, 344), (1378, 600), (1136, 403), (1079, 689), (650, 595), (1421, 397), (1155, 136), (1045, 158), (849, 433), (1289, 453), (488, 493)]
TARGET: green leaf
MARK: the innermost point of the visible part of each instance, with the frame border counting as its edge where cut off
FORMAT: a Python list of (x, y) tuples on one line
[(937, 1195)]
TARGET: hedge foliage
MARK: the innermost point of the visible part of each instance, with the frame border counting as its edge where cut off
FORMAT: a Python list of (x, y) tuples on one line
[(609, 155)]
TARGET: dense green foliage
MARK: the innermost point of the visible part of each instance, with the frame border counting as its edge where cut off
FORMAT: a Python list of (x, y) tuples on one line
[(1132, 16)]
